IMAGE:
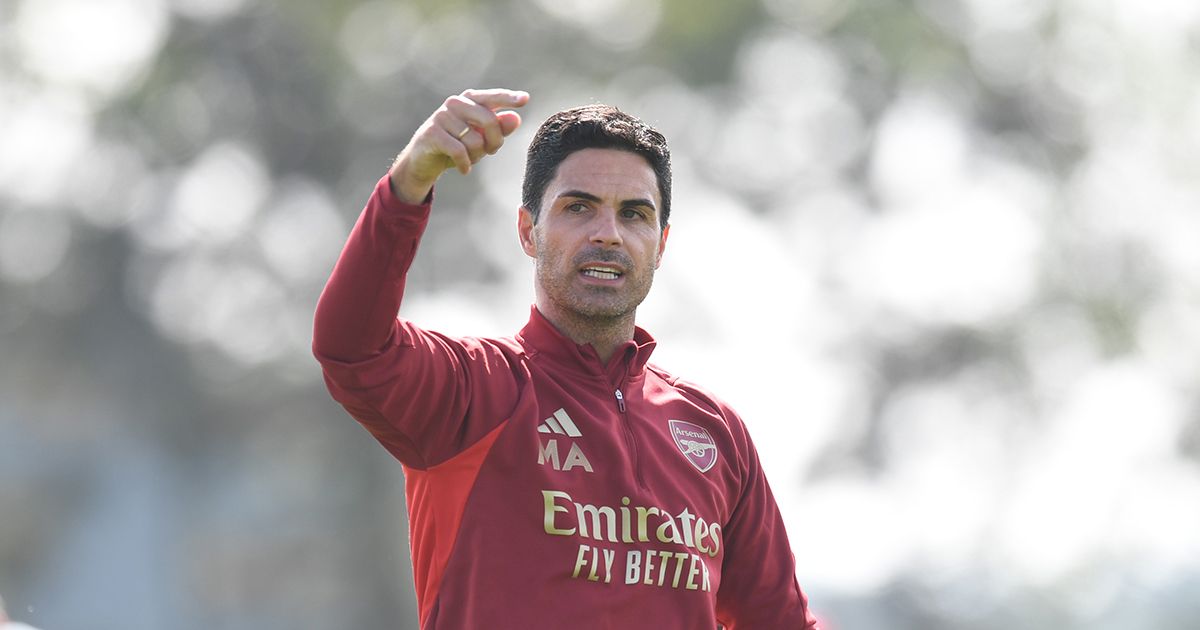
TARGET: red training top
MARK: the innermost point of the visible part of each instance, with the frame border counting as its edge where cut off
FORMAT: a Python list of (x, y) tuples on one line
[(546, 489)]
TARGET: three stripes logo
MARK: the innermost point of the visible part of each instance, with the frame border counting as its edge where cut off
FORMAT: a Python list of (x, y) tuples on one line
[(561, 424)]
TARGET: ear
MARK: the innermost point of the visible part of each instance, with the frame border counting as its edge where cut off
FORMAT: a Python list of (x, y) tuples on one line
[(662, 245), (525, 231)]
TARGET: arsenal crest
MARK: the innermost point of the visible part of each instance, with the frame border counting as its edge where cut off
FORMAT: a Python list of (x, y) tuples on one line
[(695, 443)]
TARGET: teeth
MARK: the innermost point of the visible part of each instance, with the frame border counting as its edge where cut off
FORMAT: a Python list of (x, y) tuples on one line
[(602, 274)]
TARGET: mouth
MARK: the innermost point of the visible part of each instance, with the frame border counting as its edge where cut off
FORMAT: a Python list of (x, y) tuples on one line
[(601, 272)]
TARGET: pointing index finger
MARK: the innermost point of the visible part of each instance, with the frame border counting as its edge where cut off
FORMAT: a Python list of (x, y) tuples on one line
[(498, 98)]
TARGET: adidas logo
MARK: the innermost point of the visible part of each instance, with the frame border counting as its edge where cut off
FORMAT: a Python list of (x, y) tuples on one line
[(559, 423)]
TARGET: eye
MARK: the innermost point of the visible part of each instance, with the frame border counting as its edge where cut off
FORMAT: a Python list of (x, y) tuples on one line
[(633, 213), (576, 207)]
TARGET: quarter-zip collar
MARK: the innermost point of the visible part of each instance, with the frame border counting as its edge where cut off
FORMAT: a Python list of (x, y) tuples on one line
[(540, 337)]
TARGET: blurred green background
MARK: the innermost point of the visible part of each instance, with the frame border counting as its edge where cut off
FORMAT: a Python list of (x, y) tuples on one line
[(942, 255)]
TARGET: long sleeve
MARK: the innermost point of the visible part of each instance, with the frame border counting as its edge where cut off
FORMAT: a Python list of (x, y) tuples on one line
[(411, 388), (758, 589), (356, 313)]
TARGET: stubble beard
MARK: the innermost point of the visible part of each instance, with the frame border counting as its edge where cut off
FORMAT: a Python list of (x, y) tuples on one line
[(593, 305)]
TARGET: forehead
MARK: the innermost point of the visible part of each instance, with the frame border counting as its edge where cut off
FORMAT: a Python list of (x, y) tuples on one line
[(606, 173)]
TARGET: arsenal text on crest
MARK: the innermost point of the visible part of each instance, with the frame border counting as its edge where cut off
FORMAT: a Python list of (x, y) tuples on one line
[(694, 443)]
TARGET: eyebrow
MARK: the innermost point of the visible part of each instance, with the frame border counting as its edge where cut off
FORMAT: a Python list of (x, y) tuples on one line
[(586, 196)]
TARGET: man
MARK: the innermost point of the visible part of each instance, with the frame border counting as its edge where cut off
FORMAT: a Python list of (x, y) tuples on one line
[(554, 478)]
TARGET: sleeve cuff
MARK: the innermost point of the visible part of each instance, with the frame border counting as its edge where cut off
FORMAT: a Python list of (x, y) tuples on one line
[(393, 205)]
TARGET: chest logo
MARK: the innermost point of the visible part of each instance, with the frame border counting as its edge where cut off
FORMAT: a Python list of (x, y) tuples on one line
[(694, 442), (561, 424)]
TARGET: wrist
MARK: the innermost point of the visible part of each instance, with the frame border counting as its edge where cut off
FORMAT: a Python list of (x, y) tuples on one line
[(405, 187)]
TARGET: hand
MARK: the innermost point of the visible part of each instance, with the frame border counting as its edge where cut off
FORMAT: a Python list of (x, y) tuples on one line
[(463, 130)]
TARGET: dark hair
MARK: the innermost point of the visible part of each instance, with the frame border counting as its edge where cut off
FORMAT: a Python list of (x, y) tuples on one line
[(593, 127)]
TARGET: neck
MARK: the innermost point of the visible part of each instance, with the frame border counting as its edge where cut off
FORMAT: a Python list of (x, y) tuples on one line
[(604, 334)]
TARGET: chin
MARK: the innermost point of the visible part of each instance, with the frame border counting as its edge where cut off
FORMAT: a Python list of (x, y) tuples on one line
[(606, 311), (595, 312)]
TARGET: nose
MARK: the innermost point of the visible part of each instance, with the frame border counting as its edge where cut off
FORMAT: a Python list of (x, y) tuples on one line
[(605, 229)]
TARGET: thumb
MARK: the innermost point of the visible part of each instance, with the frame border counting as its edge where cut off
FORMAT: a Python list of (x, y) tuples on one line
[(509, 121)]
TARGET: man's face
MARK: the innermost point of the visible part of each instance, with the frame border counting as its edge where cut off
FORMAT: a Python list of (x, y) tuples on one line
[(597, 241)]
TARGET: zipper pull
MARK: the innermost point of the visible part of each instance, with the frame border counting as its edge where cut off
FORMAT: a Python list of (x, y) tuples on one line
[(620, 401)]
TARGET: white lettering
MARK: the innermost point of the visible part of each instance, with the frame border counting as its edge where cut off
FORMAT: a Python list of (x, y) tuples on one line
[(714, 534), (596, 512), (626, 526), (665, 556), (668, 532), (685, 524), (549, 451), (640, 568), (701, 534), (693, 572), (580, 560), (643, 513), (653, 524), (633, 566), (548, 497), (679, 558), (649, 567), (590, 557), (592, 575), (575, 458)]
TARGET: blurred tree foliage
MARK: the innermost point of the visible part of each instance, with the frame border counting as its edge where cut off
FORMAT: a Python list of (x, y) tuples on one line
[(168, 455)]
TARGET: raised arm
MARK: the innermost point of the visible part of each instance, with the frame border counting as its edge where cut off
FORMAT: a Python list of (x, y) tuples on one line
[(357, 310), (404, 384)]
